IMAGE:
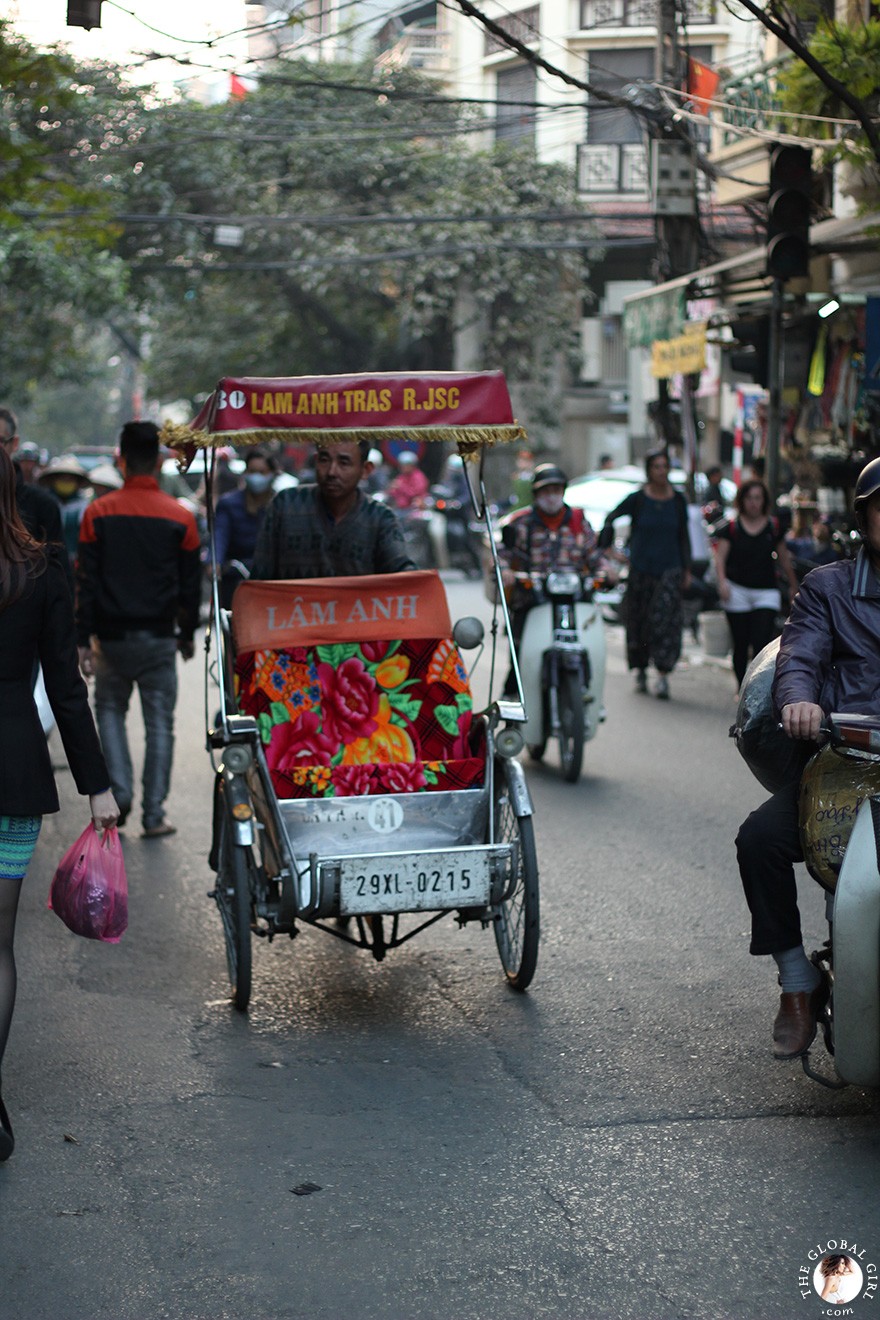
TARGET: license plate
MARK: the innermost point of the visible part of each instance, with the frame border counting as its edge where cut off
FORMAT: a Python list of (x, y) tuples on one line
[(403, 882)]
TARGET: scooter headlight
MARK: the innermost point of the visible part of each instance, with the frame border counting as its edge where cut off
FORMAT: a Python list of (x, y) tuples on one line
[(563, 583)]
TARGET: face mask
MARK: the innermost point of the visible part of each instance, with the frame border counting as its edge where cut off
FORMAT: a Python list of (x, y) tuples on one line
[(258, 482), (65, 486), (550, 502)]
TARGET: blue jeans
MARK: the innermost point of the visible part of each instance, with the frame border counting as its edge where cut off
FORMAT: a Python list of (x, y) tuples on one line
[(151, 663)]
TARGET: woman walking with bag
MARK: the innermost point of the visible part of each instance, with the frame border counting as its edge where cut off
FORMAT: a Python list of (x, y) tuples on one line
[(659, 571), (748, 552), (36, 624)]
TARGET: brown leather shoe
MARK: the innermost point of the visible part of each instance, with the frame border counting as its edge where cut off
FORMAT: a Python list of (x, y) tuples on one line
[(795, 1027)]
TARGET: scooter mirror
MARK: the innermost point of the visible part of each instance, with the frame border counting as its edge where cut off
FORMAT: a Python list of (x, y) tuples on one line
[(468, 633)]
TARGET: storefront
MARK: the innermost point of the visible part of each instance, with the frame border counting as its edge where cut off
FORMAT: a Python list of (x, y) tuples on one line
[(829, 422)]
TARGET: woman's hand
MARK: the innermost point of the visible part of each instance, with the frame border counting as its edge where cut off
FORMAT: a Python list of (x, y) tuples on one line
[(104, 810), (724, 590)]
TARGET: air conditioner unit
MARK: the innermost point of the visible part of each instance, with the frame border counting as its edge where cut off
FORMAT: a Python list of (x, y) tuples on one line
[(591, 349)]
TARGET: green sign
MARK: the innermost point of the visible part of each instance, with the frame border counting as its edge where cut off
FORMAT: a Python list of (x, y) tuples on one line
[(652, 316)]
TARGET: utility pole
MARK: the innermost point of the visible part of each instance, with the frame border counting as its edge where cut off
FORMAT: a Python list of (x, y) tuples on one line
[(673, 171), (673, 184)]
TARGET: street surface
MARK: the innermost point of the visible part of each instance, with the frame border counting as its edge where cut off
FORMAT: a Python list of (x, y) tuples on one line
[(616, 1143)]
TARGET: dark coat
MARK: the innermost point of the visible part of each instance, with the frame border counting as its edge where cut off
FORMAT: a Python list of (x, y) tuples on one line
[(39, 512), (39, 625), (830, 648)]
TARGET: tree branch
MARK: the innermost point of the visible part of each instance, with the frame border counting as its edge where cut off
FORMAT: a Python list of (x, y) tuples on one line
[(805, 55)]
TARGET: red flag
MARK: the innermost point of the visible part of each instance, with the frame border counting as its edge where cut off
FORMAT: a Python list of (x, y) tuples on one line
[(702, 85), (237, 88)]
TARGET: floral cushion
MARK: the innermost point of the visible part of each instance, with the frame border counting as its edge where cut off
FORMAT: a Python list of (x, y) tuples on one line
[(367, 717)]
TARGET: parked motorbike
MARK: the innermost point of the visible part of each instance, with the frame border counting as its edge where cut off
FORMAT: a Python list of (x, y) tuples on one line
[(840, 826), (416, 524), (562, 666), (457, 536), (840, 835)]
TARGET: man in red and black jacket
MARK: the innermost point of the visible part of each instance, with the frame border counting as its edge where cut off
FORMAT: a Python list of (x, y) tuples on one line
[(138, 587)]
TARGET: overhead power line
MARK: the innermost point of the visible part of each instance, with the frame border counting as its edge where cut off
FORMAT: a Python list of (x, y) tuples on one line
[(320, 221)]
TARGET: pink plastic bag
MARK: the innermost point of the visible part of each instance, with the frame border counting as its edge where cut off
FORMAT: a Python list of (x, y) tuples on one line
[(89, 890)]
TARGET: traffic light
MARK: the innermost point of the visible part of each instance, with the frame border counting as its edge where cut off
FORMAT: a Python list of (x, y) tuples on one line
[(788, 212), (84, 13), (751, 353)]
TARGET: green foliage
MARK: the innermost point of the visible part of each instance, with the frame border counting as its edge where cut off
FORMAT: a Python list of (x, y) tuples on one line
[(60, 127), (308, 293), (111, 201), (850, 52)]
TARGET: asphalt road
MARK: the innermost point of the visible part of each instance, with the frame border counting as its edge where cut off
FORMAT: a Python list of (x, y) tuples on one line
[(617, 1143)]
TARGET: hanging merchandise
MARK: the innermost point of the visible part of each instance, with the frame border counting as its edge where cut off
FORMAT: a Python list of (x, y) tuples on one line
[(816, 378)]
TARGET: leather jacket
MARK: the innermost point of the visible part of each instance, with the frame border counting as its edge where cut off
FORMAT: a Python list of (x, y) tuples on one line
[(830, 648)]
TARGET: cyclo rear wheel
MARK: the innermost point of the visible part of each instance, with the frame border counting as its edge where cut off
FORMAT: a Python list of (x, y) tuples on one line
[(571, 726), (517, 919), (233, 896)]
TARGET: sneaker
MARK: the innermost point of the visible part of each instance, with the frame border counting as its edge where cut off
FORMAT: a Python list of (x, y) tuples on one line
[(159, 831), (642, 681), (661, 691)]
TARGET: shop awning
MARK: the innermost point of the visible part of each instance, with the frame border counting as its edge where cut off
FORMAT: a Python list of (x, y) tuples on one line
[(660, 313)]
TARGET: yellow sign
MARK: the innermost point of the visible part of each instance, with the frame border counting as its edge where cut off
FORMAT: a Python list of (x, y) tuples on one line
[(683, 355)]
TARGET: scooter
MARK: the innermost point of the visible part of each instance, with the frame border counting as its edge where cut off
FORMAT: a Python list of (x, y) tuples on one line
[(416, 525), (840, 826), (561, 659), (458, 538)]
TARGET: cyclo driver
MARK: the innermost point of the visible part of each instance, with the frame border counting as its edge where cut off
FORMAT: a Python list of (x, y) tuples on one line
[(829, 660), (538, 539)]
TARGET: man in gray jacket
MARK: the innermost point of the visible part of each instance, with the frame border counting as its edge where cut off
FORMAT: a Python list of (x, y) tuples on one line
[(829, 660), (331, 529)]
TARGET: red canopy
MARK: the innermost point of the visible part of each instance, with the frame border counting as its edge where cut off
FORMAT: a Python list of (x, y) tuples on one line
[(466, 408)]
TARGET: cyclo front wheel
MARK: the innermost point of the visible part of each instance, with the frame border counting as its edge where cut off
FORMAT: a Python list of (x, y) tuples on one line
[(571, 727), (233, 897), (517, 918)]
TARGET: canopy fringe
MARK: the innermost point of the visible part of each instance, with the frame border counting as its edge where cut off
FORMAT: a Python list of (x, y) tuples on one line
[(470, 439)]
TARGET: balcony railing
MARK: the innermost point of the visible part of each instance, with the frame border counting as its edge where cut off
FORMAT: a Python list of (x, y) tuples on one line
[(612, 167), (637, 13), (418, 48), (524, 25), (751, 101)]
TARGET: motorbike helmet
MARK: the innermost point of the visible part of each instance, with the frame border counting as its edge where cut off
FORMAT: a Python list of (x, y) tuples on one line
[(548, 474), (376, 457), (867, 485)]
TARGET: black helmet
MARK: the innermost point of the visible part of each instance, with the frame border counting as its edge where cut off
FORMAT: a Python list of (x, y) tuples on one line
[(548, 474), (868, 483)]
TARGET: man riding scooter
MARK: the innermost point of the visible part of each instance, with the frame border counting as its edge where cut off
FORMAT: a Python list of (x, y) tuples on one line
[(539, 539), (829, 660)]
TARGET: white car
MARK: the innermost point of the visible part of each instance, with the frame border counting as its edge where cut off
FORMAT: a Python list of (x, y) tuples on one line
[(600, 492)]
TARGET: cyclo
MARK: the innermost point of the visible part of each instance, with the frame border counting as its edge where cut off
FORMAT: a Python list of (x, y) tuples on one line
[(356, 789)]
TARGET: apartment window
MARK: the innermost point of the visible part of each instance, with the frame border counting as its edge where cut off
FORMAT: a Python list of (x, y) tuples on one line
[(524, 25), (516, 92), (612, 71), (637, 13), (614, 157)]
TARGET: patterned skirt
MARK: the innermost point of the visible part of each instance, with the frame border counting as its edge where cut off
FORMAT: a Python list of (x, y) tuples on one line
[(18, 839), (652, 611)]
